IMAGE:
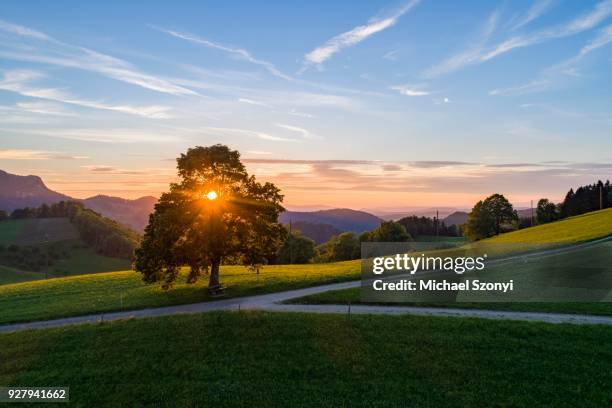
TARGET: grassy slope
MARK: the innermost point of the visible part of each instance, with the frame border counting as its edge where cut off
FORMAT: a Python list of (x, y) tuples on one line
[(62, 234), (581, 228), (10, 230), (13, 275), (71, 296), (260, 359)]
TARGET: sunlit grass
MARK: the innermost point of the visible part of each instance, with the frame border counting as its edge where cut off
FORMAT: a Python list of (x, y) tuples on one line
[(77, 295)]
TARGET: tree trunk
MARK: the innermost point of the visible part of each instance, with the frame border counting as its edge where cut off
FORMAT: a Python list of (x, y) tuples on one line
[(213, 283)]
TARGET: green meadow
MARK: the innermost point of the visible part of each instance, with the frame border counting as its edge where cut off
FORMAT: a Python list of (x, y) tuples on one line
[(48, 247), (232, 359), (114, 291), (106, 292)]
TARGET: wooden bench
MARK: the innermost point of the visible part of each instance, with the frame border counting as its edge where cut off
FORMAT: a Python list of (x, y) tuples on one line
[(215, 291)]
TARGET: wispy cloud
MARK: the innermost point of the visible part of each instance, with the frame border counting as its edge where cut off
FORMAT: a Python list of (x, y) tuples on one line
[(25, 154), (354, 36), (409, 91), (538, 8), (20, 82), (250, 133), (100, 135), (303, 132), (58, 53), (584, 22), (43, 108), (237, 52), (391, 55), (480, 53), (252, 102), (469, 56), (557, 73), (603, 38)]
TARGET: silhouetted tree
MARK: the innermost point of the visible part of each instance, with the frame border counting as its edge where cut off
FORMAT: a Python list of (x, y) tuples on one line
[(188, 228), (546, 211), (487, 217)]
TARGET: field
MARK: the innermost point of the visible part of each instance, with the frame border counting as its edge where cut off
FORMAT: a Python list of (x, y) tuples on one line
[(353, 296), (13, 275), (96, 293), (36, 231), (580, 228), (263, 359), (42, 235), (71, 296)]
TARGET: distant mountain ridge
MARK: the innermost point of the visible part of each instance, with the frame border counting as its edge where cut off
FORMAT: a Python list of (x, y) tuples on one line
[(319, 233), (343, 219), (25, 191), (133, 213), (30, 191), (456, 218)]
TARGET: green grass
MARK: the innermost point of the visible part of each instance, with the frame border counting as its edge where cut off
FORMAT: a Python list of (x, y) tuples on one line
[(36, 231), (78, 295), (59, 233), (562, 269), (439, 238), (585, 227), (353, 296), (86, 261), (236, 359), (13, 275), (10, 230)]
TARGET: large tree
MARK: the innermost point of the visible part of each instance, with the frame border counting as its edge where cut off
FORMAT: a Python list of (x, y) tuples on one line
[(215, 213), (487, 217)]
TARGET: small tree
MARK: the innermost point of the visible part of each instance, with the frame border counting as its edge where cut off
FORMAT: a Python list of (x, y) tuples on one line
[(487, 217), (546, 211), (214, 213), (297, 249), (390, 231)]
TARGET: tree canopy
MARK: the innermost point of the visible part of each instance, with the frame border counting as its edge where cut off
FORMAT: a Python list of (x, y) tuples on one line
[(487, 217), (192, 226), (297, 249)]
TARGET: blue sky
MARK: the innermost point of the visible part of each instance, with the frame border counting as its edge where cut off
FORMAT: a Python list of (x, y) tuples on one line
[(359, 104)]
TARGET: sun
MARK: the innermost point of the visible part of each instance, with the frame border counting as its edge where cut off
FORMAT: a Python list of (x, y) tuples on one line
[(211, 195)]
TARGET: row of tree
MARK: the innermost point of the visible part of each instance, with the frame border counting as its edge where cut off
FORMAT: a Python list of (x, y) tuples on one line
[(417, 226), (585, 199), (104, 235), (299, 249)]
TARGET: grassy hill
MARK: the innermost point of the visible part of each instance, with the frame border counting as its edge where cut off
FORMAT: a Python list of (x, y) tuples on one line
[(36, 248), (586, 227), (579, 228)]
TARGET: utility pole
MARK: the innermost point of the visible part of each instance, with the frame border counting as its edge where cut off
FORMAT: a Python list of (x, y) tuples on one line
[(437, 223), (290, 244), (601, 196), (532, 213)]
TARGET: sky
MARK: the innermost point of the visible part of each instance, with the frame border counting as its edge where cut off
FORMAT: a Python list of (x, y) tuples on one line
[(385, 105)]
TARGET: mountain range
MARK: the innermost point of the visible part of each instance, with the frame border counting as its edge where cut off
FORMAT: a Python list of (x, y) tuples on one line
[(30, 191)]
